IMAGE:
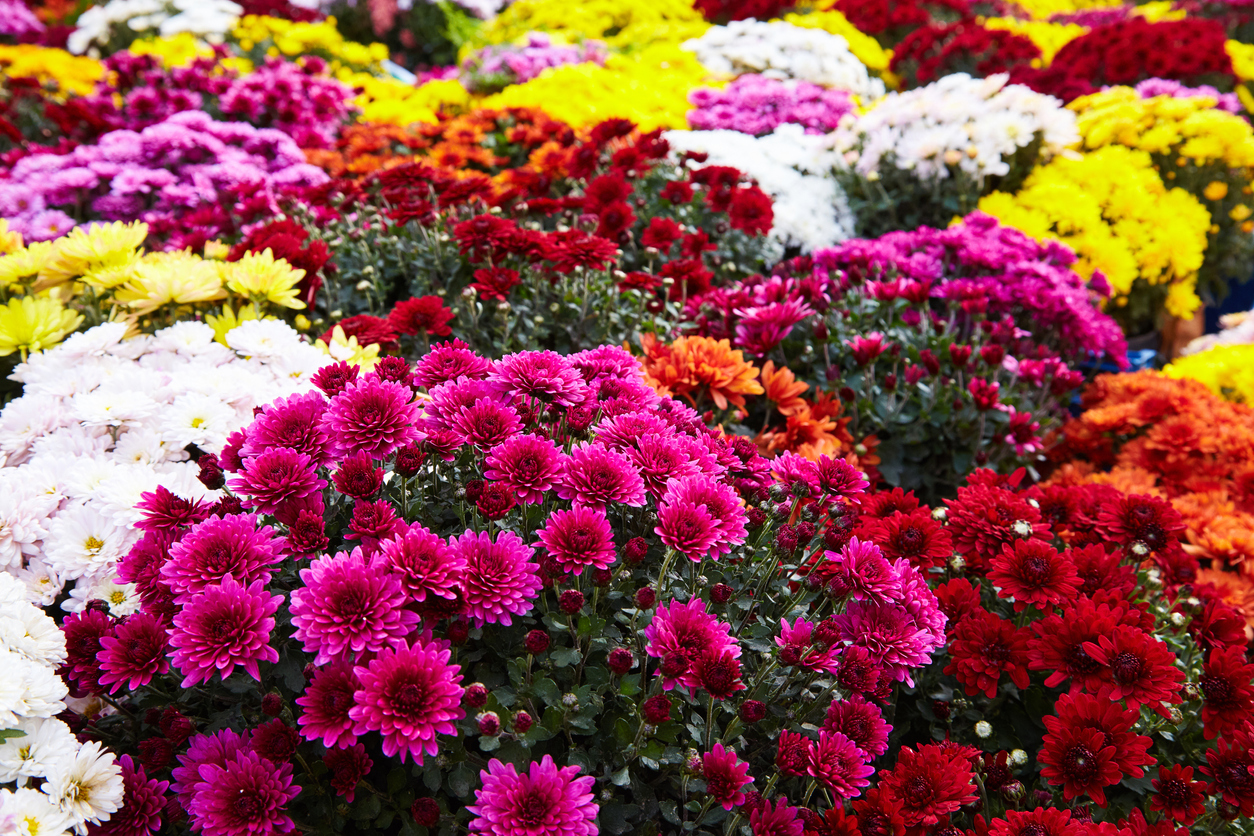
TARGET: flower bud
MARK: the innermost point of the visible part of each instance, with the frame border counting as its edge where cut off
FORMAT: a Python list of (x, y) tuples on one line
[(537, 642), (721, 593), (426, 812), (602, 577), (1018, 757), (272, 705), (635, 550), (645, 597), (983, 729), (489, 724), (476, 695), (941, 710), (522, 722), (1013, 790), (620, 661), (570, 701), (752, 711), (656, 710), (571, 601), (458, 632)]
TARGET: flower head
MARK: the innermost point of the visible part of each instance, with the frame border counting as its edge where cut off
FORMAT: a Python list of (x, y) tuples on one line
[(726, 776), (1177, 795), (543, 375), (982, 647), (226, 625), (929, 783), (500, 580), (277, 477), (528, 464), (860, 721), (326, 703), (1033, 573), (545, 800), (579, 538), (372, 416), (134, 653), (1137, 668), (595, 475), (243, 796), (685, 632), (424, 564), (219, 546), (31, 323), (143, 801), (295, 423), (720, 502), (839, 765)]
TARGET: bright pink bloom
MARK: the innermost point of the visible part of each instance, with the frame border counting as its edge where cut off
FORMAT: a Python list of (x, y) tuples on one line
[(449, 361), (327, 701), (500, 581), (578, 538), (860, 721), (372, 416), (720, 502), (687, 632), (247, 795), (776, 819), (133, 653), (687, 528), (527, 464), (595, 475), (543, 375), (544, 801), (224, 626), (860, 571), (423, 563), (486, 423), (294, 423), (276, 477), (217, 547), (866, 349), (726, 776), (839, 765), (800, 635)]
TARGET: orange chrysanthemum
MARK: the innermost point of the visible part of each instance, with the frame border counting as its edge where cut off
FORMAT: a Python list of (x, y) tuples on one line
[(696, 367), (783, 388)]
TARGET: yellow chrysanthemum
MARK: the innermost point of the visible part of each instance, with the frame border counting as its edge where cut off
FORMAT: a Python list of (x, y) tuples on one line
[(1227, 370), (1242, 56), (286, 37), (33, 324), (392, 102), (349, 350), (102, 256), (24, 263), (623, 24), (162, 279), (10, 241), (260, 277), (228, 320), (173, 51), (72, 74)]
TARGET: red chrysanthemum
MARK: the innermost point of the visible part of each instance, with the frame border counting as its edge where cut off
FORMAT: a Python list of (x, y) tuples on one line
[(1230, 767), (725, 776), (1079, 760), (1084, 711), (886, 503), (928, 784), (1059, 640), (421, 315), (1043, 821), (983, 519), (1137, 668), (1033, 573), (982, 647), (1100, 570), (1140, 519), (1177, 795), (133, 653), (1227, 685), (913, 535), (369, 330), (958, 598), (751, 211)]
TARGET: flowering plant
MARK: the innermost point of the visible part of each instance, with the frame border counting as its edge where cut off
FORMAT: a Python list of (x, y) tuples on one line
[(928, 53), (756, 104), (497, 66), (890, 21), (115, 25)]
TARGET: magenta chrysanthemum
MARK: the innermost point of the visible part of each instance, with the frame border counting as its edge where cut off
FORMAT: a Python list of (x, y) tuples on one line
[(860, 571), (372, 416), (889, 634), (143, 800), (245, 796), (544, 801), (326, 703), (860, 721), (486, 423), (578, 538), (527, 464), (688, 529), (202, 750), (595, 475), (448, 399), (726, 776), (224, 626), (620, 432), (661, 458), (345, 609), (542, 375), (133, 653), (687, 632), (800, 636), (796, 473), (409, 695), (838, 477), (276, 477), (500, 580), (294, 423), (839, 765), (219, 546), (777, 819), (424, 564), (720, 502), (449, 361)]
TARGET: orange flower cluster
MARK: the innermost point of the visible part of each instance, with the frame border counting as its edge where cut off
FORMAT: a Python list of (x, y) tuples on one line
[(694, 368), (1145, 433)]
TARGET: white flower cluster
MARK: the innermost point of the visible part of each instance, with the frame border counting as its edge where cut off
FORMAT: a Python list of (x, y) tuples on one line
[(781, 50), (104, 420), (78, 784), (794, 168), (972, 124), (208, 19)]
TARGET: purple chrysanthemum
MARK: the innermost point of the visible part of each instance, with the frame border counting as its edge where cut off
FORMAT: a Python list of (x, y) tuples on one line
[(527, 464), (687, 528), (544, 801), (812, 656), (133, 653), (326, 703), (424, 564), (372, 416), (449, 361), (686, 632), (721, 503), (726, 776), (224, 626), (295, 423), (246, 796), (839, 765), (776, 819), (500, 580), (860, 721), (543, 375), (409, 695), (595, 475), (345, 609), (276, 477), (219, 546), (143, 800), (204, 749), (486, 423), (578, 538)]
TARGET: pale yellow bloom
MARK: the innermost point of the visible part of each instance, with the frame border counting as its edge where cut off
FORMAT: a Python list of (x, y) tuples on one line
[(33, 324), (102, 256), (10, 241), (349, 350), (260, 277), (162, 279), (24, 263)]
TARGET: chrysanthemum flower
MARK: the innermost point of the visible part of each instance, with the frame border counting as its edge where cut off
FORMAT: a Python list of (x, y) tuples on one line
[(500, 580), (246, 795), (718, 672), (686, 630), (263, 278), (914, 536), (860, 721), (661, 458), (1140, 519), (810, 655), (1177, 795), (619, 432), (982, 647), (1230, 767), (687, 528), (579, 538), (839, 765), (777, 818), (543, 375), (348, 766), (720, 501), (31, 323), (889, 633), (409, 695), (345, 609), (326, 703), (134, 653), (486, 423), (295, 423), (929, 784), (143, 800), (217, 547), (276, 477), (372, 416), (983, 519), (726, 776), (226, 625), (1227, 685), (1080, 760), (1084, 711), (544, 800), (838, 477), (1100, 570), (87, 785), (1043, 821), (879, 812), (528, 464), (1137, 668), (423, 562), (594, 475), (1033, 573), (860, 571), (217, 749), (793, 753), (449, 361), (1059, 642)]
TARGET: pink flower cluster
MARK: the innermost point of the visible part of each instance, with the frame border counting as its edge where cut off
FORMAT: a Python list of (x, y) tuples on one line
[(1151, 87), (523, 63), (755, 104), (298, 99), (17, 20)]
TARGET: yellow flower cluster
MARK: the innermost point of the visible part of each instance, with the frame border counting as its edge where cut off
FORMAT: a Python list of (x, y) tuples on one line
[(72, 74), (1048, 37), (284, 37), (1227, 370), (650, 88), (865, 48), (1112, 208), (173, 51), (392, 102), (623, 24)]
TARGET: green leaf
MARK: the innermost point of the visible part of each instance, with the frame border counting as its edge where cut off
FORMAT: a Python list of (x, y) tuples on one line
[(396, 780), (546, 690), (489, 743), (9, 734), (459, 780), (670, 811), (564, 656), (620, 777), (431, 776)]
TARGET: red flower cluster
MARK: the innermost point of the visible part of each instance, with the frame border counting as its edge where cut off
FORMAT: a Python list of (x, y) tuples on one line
[(722, 11), (930, 52), (891, 20)]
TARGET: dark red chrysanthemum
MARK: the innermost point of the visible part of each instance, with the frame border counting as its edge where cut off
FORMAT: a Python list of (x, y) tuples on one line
[(1100, 570), (369, 330), (421, 315), (1079, 760), (1033, 573), (348, 767), (143, 801), (913, 535), (1043, 821), (1140, 519), (751, 211), (1084, 711), (879, 813), (983, 519), (1059, 641), (983, 646), (133, 653), (1138, 668), (886, 503), (929, 784), (958, 598), (1177, 795), (1227, 685), (1230, 767)]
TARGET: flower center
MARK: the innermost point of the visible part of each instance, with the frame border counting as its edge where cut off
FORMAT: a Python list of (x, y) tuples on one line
[(1127, 667), (910, 540), (1079, 662), (1217, 690), (997, 653), (1080, 764), (1175, 793), (93, 545), (1033, 829), (410, 699), (533, 809), (1036, 571), (246, 806), (918, 791)]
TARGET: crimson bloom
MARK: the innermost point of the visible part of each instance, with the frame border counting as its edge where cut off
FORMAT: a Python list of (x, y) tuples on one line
[(1084, 711), (1080, 760), (1230, 767), (1177, 795), (1137, 668), (326, 703), (726, 776), (928, 784), (913, 535), (1033, 573), (1227, 685), (982, 647), (421, 315), (1043, 821), (1059, 642), (528, 464), (246, 794), (839, 765), (133, 653)]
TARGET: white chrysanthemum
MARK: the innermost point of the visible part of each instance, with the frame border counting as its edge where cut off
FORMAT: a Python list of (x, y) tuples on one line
[(202, 420), (118, 495), (32, 814), (143, 445), (87, 474), (43, 583), (26, 630), (28, 689), (262, 338), (189, 339), (25, 419), (297, 366), (111, 407), (32, 754), (21, 526), (73, 443), (81, 540), (11, 592), (88, 787), (93, 342), (122, 598), (236, 383)]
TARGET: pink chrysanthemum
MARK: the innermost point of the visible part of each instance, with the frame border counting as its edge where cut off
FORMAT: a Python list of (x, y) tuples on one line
[(606, 361), (294, 423), (409, 695), (687, 632), (486, 423), (224, 626), (449, 361), (372, 416), (797, 474), (777, 819), (721, 503), (687, 528), (326, 703), (219, 546), (345, 609), (448, 399), (202, 750), (247, 795), (424, 564), (133, 653), (661, 458), (918, 599), (860, 721), (542, 375), (594, 475), (800, 635), (889, 634), (860, 571), (838, 477), (143, 800), (620, 432), (726, 776), (544, 801), (500, 580), (276, 477), (579, 538), (527, 464), (839, 765)]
